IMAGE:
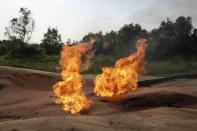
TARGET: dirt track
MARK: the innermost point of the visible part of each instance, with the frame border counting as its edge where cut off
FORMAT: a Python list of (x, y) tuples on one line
[(26, 103)]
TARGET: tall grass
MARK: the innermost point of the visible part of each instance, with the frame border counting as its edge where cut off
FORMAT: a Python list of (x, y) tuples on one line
[(46, 63), (169, 67), (49, 63)]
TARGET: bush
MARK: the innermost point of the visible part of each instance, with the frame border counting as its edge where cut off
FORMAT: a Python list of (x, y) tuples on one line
[(3, 49), (27, 51), (19, 49), (30, 51), (8, 46)]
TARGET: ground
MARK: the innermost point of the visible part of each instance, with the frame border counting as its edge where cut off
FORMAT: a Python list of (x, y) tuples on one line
[(27, 104)]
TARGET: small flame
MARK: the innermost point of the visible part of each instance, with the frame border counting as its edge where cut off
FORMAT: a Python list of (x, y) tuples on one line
[(68, 91), (123, 77)]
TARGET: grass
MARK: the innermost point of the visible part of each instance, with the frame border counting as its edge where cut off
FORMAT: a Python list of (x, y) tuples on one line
[(49, 63), (163, 67), (171, 67)]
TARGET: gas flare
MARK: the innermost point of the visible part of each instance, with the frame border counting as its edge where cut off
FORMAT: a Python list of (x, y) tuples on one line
[(121, 79), (68, 91)]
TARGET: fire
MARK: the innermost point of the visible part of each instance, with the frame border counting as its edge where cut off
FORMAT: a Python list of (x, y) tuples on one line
[(68, 91), (121, 79)]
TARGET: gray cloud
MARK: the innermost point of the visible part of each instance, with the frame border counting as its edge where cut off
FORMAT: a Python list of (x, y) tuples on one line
[(151, 15), (75, 18)]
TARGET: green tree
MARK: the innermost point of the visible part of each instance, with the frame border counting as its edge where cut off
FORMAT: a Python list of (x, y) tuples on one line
[(173, 39), (21, 27), (183, 29), (193, 47), (51, 42), (126, 37)]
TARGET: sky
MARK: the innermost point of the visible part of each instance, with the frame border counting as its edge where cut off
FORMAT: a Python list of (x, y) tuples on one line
[(75, 18)]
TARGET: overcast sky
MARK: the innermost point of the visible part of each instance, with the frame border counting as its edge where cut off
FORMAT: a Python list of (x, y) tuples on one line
[(75, 18)]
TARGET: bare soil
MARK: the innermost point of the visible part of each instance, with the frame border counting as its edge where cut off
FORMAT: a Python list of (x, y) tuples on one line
[(27, 104)]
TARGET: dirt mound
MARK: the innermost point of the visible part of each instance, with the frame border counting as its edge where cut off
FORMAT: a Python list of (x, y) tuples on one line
[(27, 103)]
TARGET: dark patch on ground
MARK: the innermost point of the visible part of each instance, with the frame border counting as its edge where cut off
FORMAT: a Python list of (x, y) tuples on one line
[(2, 86), (158, 99), (148, 83)]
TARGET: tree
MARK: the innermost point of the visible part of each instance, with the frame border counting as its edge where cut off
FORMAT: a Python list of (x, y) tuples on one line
[(52, 41), (174, 39), (126, 37), (165, 36), (193, 47), (183, 26), (21, 27)]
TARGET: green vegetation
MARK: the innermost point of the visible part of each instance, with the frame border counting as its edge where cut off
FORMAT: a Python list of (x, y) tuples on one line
[(171, 67), (164, 67), (172, 47), (45, 63), (50, 63)]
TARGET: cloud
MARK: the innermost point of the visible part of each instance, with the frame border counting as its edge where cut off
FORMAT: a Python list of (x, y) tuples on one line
[(75, 18), (151, 16)]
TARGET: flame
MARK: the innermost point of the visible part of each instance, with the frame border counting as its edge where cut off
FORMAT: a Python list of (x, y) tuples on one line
[(68, 91), (121, 79)]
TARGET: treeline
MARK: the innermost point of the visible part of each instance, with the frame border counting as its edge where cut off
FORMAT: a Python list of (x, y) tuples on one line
[(170, 40), (19, 32), (16, 48)]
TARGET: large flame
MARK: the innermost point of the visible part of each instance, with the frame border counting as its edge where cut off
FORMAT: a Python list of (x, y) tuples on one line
[(121, 79), (68, 91)]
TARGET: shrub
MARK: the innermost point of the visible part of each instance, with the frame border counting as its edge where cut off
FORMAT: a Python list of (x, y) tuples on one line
[(27, 51)]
